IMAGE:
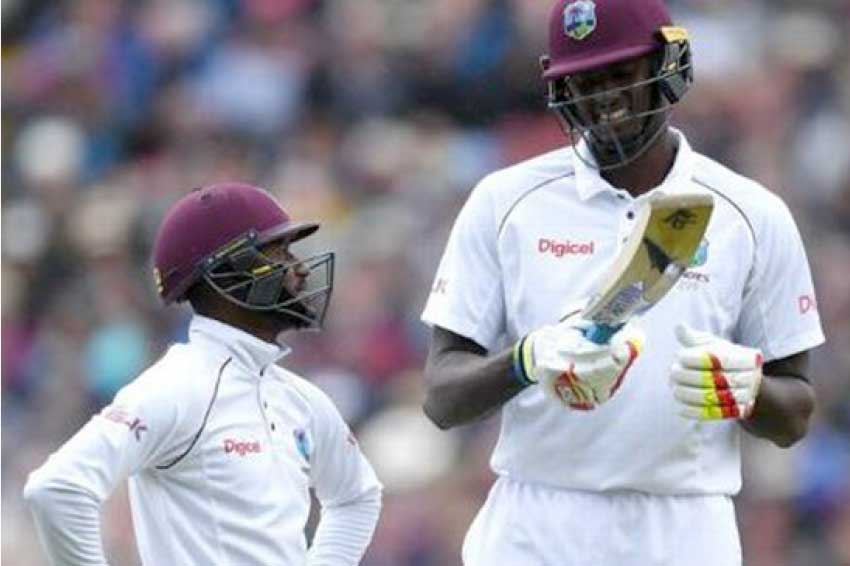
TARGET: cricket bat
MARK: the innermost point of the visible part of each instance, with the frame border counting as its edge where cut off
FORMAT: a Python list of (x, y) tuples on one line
[(667, 233)]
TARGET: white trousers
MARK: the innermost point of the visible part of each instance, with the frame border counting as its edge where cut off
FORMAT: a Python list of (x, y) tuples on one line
[(532, 525)]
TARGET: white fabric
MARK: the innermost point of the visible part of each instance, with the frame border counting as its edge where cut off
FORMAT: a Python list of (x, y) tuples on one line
[(534, 525), (530, 243), (221, 447)]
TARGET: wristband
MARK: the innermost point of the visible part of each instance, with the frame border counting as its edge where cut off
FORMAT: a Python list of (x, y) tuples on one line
[(521, 360)]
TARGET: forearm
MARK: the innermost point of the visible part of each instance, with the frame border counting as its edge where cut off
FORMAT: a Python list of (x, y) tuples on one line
[(465, 386), (67, 521), (782, 410), (344, 531)]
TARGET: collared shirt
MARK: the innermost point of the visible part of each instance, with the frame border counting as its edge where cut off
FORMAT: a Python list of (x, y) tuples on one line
[(221, 447), (531, 245)]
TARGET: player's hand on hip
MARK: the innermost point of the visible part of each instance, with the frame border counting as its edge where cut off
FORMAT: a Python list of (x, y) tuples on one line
[(570, 368), (713, 378)]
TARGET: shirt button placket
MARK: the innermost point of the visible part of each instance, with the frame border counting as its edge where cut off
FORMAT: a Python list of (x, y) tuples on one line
[(627, 226), (268, 416)]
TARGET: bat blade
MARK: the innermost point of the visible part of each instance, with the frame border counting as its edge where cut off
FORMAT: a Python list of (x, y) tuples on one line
[(667, 233)]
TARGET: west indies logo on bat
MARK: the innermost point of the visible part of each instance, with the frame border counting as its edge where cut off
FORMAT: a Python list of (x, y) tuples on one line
[(692, 279), (701, 255), (580, 19)]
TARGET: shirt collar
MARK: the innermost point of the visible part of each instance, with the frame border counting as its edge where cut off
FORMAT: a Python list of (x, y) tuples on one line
[(589, 183), (254, 353)]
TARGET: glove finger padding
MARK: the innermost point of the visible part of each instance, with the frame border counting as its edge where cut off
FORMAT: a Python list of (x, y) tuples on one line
[(713, 378), (712, 413), (733, 359), (700, 351), (709, 398), (710, 395), (721, 379)]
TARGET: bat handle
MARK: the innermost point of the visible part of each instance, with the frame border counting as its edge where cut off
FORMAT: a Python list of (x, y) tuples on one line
[(600, 333)]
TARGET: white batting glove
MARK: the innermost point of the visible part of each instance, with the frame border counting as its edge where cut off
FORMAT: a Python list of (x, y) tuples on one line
[(571, 368), (713, 378)]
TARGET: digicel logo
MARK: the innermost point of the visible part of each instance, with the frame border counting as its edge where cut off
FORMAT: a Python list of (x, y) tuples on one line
[(806, 303), (241, 447), (560, 248)]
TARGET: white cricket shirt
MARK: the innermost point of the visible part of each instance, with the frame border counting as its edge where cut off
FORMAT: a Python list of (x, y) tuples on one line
[(528, 246), (221, 447)]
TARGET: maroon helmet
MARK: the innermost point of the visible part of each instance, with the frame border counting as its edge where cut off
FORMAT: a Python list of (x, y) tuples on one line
[(589, 35), (216, 234)]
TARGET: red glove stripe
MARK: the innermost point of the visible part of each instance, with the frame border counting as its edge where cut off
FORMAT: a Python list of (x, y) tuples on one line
[(569, 379), (633, 354), (572, 380), (728, 404)]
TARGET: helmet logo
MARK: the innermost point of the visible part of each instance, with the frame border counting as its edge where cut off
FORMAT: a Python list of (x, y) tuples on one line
[(579, 19)]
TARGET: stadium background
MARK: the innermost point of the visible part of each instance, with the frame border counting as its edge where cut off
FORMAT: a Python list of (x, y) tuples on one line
[(375, 117)]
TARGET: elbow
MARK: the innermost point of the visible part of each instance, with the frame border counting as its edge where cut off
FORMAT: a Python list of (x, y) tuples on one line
[(376, 501), (794, 433), (370, 501), (437, 407), (37, 493), (439, 417), (797, 425), (46, 488)]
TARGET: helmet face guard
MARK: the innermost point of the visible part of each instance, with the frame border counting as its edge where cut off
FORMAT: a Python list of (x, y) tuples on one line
[(670, 78), (241, 273)]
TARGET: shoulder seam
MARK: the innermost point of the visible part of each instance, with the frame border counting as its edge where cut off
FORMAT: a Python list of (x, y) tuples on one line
[(735, 205), (204, 423), (525, 194)]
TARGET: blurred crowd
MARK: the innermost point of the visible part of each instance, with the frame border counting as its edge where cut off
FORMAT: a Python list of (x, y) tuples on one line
[(375, 117)]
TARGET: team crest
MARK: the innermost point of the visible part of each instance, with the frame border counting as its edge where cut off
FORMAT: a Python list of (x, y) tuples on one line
[(701, 255), (579, 19), (302, 442)]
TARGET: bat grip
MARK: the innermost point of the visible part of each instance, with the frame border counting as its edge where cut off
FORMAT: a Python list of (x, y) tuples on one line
[(600, 333)]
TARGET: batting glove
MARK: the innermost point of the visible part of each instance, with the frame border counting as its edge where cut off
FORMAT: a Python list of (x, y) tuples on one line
[(713, 378), (577, 372)]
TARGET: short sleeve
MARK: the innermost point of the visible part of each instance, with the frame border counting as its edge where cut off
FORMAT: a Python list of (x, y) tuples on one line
[(340, 472), (779, 313), (467, 294)]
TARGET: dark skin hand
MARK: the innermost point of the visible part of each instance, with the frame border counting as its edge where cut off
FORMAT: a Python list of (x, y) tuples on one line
[(465, 384)]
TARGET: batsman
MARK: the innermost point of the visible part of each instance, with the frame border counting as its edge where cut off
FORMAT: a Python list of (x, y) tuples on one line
[(622, 451)]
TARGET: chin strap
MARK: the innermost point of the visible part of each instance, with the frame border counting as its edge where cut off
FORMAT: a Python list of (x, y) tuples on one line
[(592, 161)]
